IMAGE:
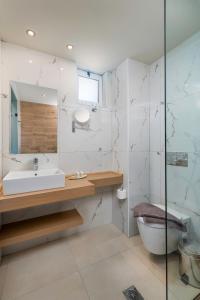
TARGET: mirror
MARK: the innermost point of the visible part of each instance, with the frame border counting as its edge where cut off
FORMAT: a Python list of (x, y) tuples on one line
[(33, 119), (82, 116)]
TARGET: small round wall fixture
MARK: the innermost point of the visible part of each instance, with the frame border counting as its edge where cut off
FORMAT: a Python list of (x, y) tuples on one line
[(82, 116), (30, 32)]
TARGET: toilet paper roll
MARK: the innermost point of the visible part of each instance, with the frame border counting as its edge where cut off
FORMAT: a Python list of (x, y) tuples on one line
[(121, 194)]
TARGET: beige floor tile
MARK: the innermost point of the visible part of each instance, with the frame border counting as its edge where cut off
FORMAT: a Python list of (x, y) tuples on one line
[(155, 263), (135, 241), (177, 288), (50, 262), (113, 275), (108, 295), (107, 260), (70, 288), (85, 254), (147, 283), (3, 270), (114, 246), (97, 244), (95, 236), (110, 274)]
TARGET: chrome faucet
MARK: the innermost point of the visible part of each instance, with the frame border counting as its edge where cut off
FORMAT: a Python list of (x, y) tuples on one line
[(35, 164)]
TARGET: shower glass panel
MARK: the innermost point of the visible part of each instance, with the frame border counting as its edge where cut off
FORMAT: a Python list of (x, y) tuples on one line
[(182, 30)]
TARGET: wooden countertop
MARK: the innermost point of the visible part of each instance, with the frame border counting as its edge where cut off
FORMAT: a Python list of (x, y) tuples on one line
[(73, 189)]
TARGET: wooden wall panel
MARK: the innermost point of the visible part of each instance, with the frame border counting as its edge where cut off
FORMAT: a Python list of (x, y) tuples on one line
[(38, 128)]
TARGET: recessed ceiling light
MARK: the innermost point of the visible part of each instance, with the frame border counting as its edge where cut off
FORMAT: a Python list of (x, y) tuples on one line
[(30, 33), (44, 95), (30, 61), (61, 69), (69, 47)]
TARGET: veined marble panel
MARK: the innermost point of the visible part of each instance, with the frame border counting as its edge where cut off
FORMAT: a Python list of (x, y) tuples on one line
[(157, 132), (88, 150), (183, 135), (131, 138)]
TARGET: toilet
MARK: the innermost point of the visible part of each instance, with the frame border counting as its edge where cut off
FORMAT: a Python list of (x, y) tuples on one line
[(154, 235)]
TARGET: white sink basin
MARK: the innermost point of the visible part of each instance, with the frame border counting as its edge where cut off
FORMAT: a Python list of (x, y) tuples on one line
[(29, 181)]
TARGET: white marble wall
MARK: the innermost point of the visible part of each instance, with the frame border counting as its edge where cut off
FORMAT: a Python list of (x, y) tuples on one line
[(131, 138), (157, 133), (120, 126), (183, 130), (138, 108), (87, 150)]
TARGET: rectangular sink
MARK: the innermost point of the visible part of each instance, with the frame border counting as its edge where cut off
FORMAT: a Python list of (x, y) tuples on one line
[(29, 181)]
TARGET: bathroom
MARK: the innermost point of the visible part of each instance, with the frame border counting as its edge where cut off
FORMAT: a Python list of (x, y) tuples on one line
[(99, 149)]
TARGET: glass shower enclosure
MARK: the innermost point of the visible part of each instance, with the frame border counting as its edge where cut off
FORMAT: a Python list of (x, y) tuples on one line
[(182, 89)]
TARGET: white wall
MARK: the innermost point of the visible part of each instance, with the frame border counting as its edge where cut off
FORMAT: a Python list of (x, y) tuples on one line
[(157, 133), (131, 138), (183, 128), (84, 150), (183, 115), (125, 134), (120, 141)]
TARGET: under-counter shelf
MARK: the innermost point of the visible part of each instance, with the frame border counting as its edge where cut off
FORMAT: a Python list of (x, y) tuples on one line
[(73, 189), (17, 232)]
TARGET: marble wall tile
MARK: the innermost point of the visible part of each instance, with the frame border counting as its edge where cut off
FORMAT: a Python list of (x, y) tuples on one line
[(155, 178), (95, 137), (138, 100), (131, 138), (138, 87), (88, 161), (183, 91), (120, 140), (89, 150), (157, 132)]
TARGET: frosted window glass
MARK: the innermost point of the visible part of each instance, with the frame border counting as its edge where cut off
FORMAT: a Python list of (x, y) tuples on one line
[(88, 89)]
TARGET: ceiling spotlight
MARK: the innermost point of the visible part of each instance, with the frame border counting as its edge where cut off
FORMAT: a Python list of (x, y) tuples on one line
[(30, 61), (30, 33), (61, 69), (44, 95), (69, 47)]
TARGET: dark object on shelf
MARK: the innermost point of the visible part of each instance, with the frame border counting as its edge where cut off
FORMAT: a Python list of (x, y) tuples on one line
[(132, 294)]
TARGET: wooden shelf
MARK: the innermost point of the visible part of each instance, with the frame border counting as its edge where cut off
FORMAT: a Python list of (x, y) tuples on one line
[(33, 228), (103, 179), (73, 189)]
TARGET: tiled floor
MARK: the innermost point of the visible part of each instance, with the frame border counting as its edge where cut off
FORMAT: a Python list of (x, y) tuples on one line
[(95, 265)]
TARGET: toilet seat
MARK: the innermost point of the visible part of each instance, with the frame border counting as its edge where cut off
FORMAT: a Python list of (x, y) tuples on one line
[(152, 225), (153, 235)]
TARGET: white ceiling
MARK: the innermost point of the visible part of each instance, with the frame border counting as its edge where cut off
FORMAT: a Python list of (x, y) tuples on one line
[(182, 19), (103, 32)]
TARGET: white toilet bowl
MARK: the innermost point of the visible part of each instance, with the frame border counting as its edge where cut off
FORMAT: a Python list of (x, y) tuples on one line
[(154, 235)]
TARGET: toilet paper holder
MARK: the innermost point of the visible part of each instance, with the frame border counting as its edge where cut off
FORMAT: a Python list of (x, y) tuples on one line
[(121, 193)]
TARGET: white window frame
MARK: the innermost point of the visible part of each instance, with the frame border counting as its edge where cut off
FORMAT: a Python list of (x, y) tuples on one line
[(94, 76)]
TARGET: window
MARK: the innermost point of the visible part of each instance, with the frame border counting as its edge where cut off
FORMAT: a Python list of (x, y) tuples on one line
[(90, 87)]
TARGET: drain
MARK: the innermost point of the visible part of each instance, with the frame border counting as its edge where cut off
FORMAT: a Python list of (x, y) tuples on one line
[(132, 294)]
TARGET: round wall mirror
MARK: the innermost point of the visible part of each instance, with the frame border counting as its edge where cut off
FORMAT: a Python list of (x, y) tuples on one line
[(82, 116)]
